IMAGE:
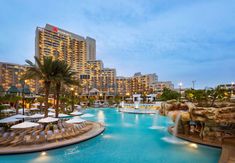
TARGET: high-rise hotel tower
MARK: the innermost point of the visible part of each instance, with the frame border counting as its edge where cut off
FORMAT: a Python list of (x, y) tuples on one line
[(63, 45)]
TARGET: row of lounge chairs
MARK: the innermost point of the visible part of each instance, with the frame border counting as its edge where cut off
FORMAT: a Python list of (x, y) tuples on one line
[(43, 134)]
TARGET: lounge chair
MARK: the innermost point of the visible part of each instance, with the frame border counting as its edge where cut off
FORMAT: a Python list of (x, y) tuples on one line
[(18, 140), (32, 138), (40, 139)]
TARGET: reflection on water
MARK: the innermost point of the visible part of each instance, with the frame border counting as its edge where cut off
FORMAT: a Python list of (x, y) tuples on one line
[(122, 116), (43, 157), (71, 151), (100, 116), (157, 127), (128, 125), (136, 118), (173, 140)]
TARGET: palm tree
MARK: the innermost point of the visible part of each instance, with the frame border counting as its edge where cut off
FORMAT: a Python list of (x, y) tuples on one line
[(64, 76), (43, 71)]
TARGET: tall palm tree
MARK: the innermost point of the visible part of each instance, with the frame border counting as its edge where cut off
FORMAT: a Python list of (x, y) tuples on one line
[(43, 71), (64, 76)]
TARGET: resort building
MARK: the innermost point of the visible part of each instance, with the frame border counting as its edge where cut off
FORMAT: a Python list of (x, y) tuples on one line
[(158, 86), (63, 45), (138, 84), (91, 49), (10, 75), (79, 53), (124, 87), (227, 86), (100, 78)]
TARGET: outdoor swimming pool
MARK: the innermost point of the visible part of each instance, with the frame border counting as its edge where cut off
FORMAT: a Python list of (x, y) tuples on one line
[(128, 138)]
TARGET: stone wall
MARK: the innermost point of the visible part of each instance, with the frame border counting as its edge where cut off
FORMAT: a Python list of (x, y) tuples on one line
[(210, 123)]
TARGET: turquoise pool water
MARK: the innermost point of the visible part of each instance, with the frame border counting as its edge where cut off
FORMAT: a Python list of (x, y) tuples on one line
[(128, 138)]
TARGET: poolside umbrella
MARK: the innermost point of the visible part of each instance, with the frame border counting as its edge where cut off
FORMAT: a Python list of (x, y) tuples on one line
[(21, 110), (75, 120), (87, 115), (51, 114), (8, 111), (25, 125), (61, 115), (38, 104), (76, 113), (35, 116), (34, 109), (19, 116), (9, 120), (26, 90), (6, 104), (48, 120), (13, 89), (78, 107), (51, 109)]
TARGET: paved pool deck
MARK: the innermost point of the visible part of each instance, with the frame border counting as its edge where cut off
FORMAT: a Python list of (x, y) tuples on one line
[(195, 139), (97, 129), (227, 145), (228, 151)]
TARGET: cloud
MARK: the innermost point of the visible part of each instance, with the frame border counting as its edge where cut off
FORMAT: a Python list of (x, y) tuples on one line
[(177, 39)]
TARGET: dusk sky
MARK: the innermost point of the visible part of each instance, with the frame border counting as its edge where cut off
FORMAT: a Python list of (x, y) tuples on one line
[(179, 40)]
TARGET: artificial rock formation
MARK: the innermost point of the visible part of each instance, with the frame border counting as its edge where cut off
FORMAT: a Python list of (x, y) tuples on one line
[(210, 123)]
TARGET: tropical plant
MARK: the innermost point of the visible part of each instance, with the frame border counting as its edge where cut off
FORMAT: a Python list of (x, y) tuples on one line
[(169, 94), (40, 100), (64, 76), (43, 71), (207, 97)]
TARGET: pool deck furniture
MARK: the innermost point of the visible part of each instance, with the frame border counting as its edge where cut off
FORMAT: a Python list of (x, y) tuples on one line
[(42, 145)]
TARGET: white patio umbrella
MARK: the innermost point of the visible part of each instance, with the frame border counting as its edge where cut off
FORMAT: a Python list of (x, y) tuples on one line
[(36, 116), (78, 107), (19, 116), (76, 113), (87, 115), (9, 120), (8, 111), (61, 115), (75, 120), (6, 104), (51, 109), (48, 120), (25, 125), (36, 104), (51, 114), (34, 109), (21, 110)]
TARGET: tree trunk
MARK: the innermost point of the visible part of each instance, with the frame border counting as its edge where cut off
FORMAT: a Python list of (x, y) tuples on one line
[(213, 100), (47, 91), (16, 107), (58, 85)]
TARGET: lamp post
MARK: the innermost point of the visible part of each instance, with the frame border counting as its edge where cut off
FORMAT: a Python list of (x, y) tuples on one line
[(232, 88), (180, 88), (23, 85), (194, 81), (72, 91)]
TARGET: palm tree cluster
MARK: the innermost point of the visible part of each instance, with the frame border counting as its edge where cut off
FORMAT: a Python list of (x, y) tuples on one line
[(207, 97), (52, 73)]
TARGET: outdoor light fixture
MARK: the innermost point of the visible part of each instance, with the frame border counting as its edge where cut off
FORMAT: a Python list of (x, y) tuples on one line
[(43, 153), (193, 145)]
